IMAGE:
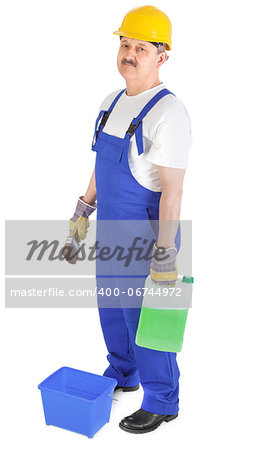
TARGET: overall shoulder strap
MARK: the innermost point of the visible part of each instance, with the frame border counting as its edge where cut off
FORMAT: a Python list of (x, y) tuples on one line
[(107, 113), (136, 124), (104, 114), (116, 100), (152, 102)]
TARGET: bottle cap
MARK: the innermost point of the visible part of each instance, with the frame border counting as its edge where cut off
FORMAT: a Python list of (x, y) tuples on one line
[(187, 279)]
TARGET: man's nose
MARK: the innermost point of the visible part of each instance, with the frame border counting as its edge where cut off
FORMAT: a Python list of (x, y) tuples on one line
[(130, 53)]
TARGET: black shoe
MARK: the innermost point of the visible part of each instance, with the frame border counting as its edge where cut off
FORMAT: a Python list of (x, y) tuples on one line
[(126, 388), (143, 421)]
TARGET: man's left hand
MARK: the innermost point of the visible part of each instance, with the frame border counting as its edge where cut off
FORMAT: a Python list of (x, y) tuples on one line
[(163, 268)]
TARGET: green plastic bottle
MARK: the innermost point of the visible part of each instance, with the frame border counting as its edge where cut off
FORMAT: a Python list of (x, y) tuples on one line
[(163, 317)]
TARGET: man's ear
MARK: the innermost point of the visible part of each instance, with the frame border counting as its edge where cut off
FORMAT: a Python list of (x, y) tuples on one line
[(163, 58)]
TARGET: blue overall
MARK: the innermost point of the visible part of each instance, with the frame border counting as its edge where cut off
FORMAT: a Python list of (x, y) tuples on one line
[(121, 197)]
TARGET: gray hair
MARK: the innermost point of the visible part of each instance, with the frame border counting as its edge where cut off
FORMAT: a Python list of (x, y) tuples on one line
[(161, 48)]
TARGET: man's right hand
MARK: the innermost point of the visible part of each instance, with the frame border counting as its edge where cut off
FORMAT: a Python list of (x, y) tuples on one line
[(79, 223)]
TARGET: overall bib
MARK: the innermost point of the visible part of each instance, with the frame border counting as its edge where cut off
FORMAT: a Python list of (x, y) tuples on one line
[(121, 197)]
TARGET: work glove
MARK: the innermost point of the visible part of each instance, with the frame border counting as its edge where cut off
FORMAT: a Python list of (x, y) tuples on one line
[(164, 272), (79, 223)]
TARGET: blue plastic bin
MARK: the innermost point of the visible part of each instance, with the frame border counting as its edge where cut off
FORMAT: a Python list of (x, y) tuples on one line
[(76, 400)]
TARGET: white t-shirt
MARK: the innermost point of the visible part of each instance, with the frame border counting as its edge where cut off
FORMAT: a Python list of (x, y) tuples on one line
[(166, 133)]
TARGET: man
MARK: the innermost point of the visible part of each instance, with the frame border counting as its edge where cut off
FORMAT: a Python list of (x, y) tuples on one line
[(142, 137)]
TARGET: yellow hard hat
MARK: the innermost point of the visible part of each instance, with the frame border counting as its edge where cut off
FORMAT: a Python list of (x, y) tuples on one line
[(147, 23)]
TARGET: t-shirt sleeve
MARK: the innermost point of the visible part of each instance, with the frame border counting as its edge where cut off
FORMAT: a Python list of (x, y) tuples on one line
[(171, 138)]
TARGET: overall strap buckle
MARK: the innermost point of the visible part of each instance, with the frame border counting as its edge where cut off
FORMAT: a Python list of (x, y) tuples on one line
[(136, 128), (104, 118), (133, 126)]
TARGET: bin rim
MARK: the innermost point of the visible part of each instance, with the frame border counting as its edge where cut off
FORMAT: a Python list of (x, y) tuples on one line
[(41, 387)]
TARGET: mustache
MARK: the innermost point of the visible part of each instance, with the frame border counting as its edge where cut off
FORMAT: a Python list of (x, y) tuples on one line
[(126, 61)]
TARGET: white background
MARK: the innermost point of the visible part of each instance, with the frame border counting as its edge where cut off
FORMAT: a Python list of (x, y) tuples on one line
[(58, 62)]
